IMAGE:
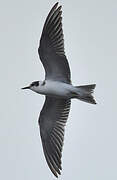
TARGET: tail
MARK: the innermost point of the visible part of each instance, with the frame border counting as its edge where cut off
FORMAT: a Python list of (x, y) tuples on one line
[(85, 93)]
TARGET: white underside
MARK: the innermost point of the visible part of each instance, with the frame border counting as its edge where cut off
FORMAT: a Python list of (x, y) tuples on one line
[(55, 89)]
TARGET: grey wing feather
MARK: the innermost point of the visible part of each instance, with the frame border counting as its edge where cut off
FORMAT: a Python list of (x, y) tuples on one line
[(51, 49), (52, 121)]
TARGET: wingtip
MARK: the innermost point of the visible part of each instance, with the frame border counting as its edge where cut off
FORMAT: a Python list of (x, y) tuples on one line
[(56, 4), (55, 175)]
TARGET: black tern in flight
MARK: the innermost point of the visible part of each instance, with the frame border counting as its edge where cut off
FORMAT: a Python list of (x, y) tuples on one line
[(57, 88)]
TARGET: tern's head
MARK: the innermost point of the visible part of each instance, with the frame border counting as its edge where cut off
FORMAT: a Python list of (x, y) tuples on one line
[(33, 86)]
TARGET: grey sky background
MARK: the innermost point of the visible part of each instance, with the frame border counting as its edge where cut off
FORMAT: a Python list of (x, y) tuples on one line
[(90, 146)]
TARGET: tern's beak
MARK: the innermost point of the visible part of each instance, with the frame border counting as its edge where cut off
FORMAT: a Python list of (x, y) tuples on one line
[(28, 87)]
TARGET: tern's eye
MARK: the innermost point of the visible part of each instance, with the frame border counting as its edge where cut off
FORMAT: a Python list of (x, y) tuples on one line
[(36, 83)]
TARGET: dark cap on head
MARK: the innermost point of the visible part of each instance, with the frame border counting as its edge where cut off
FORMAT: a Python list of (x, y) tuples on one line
[(35, 83)]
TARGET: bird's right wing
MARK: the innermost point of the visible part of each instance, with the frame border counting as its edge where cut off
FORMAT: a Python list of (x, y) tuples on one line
[(51, 49), (52, 120)]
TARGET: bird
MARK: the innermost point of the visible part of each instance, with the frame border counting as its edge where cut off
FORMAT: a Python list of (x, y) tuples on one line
[(57, 88)]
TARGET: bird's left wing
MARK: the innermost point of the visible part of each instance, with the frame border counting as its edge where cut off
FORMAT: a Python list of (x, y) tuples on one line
[(52, 120), (51, 49)]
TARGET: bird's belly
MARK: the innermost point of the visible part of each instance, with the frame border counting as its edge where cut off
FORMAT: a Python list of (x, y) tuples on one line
[(57, 92), (56, 89)]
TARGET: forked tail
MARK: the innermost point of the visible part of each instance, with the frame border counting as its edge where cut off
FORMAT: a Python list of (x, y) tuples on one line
[(84, 93)]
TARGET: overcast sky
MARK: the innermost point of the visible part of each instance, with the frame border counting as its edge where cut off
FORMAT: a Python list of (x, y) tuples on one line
[(90, 146)]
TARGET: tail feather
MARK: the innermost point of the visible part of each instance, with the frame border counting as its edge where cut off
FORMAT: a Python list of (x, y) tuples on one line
[(85, 93)]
